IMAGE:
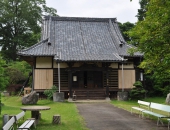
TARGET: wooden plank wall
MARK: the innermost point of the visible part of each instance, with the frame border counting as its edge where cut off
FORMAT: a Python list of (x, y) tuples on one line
[(43, 79), (63, 78), (129, 78), (113, 78)]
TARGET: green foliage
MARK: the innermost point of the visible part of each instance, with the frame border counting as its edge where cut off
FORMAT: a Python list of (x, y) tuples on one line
[(49, 92), (138, 84), (3, 77), (152, 38), (138, 92), (0, 103), (20, 22), (17, 72), (143, 8), (124, 28)]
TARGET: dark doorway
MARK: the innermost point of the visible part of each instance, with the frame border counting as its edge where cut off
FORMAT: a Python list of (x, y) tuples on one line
[(85, 78), (88, 79)]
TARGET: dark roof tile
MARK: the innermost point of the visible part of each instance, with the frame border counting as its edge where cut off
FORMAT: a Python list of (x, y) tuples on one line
[(80, 39)]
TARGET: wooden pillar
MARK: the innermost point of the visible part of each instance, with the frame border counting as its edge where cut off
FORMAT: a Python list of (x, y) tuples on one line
[(107, 83), (70, 84)]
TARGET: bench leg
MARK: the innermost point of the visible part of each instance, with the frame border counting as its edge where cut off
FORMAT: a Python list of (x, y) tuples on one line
[(159, 120), (168, 124), (131, 110)]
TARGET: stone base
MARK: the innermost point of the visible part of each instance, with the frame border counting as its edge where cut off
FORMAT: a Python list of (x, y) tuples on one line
[(107, 99), (58, 97), (122, 96), (70, 99)]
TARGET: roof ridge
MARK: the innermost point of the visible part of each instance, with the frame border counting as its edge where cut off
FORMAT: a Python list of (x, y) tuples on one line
[(85, 19)]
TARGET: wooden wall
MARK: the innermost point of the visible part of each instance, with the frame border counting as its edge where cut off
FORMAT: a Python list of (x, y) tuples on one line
[(43, 78), (113, 79), (63, 78), (44, 62), (62, 65), (129, 78)]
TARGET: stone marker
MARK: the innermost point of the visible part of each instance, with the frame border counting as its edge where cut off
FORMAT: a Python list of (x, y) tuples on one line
[(168, 98), (31, 98)]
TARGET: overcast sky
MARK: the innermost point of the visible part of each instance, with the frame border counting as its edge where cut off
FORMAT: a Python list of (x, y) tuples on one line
[(123, 10)]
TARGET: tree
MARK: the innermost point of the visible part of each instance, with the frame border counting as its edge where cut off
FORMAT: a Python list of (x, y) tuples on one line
[(3, 78), (17, 72), (20, 24), (152, 38), (124, 28), (142, 11)]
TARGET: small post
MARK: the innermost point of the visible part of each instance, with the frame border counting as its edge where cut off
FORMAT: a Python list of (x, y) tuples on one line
[(5, 119), (56, 119)]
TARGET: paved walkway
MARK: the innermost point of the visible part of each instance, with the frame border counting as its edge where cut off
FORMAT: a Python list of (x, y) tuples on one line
[(104, 116)]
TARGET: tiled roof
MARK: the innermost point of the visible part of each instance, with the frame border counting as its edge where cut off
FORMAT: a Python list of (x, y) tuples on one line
[(80, 39)]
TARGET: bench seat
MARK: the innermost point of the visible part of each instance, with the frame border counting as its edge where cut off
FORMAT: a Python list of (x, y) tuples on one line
[(138, 108), (154, 114), (26, 125), (142, 106)]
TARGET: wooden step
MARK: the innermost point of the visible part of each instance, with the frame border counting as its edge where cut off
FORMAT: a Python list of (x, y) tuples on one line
[(90, 94)]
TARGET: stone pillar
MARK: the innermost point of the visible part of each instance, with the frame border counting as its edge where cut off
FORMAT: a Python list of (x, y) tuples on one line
[(122, 96), (5, 119)]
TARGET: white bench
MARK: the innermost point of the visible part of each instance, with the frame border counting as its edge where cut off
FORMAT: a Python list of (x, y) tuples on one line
[(27, 124), (160, 107), (9, 124), (143, 105)]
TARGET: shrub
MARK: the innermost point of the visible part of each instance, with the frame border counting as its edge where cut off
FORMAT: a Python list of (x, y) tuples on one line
[(138, 92), (49, 92)]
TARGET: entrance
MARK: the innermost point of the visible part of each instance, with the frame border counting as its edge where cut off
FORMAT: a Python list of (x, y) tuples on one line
[(88, 79)]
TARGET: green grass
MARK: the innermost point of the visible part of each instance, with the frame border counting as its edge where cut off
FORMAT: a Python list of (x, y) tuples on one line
[(70, 118)]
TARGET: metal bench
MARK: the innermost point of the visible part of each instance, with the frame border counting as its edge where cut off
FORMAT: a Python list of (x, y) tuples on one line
[(27, 124), (143, 105), (160, 107), (9, 124)]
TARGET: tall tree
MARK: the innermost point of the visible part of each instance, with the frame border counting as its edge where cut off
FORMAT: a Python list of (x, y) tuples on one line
[(124, 28), (152, 38), (20, 24), (142, 11)]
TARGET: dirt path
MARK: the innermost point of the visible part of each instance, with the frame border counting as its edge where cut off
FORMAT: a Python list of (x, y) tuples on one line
[(104, 116)]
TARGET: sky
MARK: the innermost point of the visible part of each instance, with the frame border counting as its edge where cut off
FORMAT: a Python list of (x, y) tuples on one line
[(123, 10)]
